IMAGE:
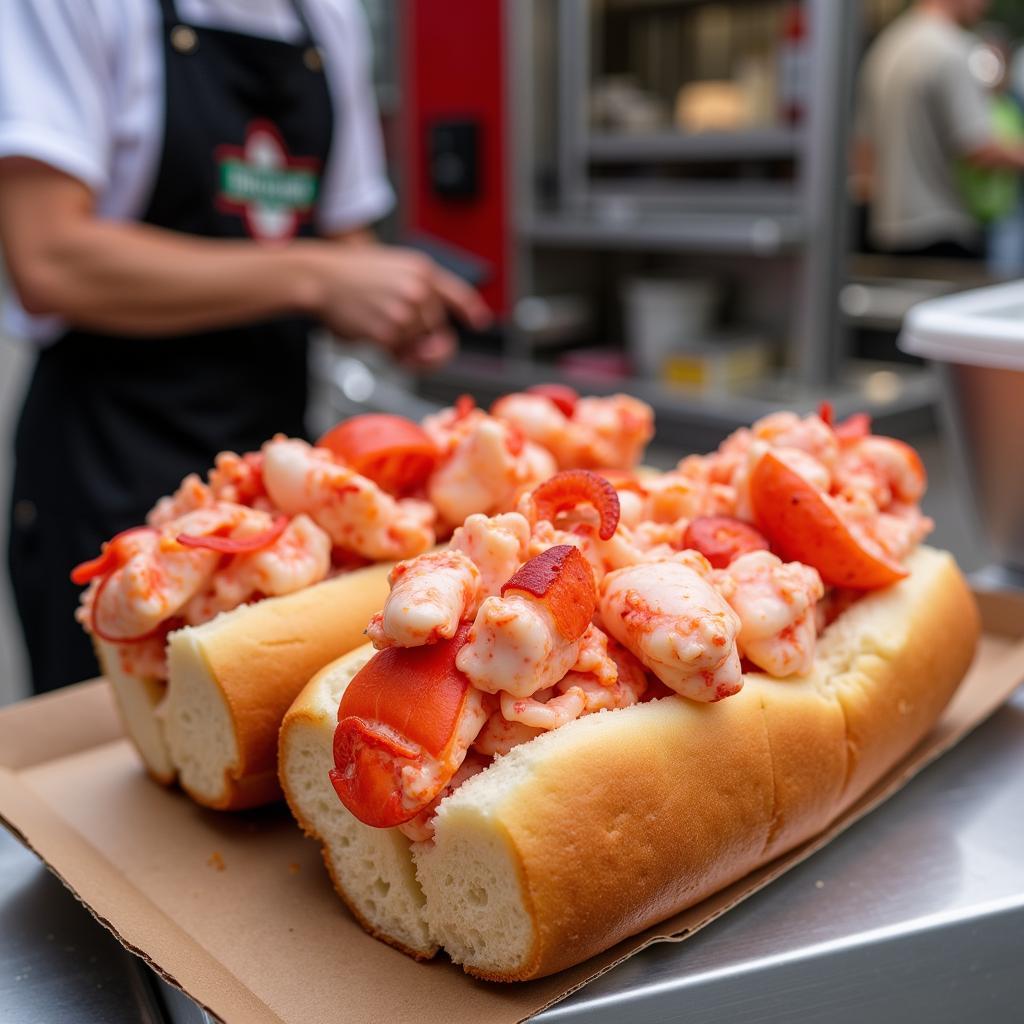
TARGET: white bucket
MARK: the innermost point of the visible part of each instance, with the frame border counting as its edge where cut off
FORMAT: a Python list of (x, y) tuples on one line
[(664, 315)]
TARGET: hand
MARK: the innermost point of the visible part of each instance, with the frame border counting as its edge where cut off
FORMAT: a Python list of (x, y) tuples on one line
[(398, 298)]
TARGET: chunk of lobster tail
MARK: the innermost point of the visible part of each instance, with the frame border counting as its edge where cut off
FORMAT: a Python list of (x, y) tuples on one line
[(529, 637)]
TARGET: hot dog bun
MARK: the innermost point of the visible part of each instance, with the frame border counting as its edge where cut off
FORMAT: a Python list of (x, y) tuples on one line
[(213, 727), (372, 869), (595, 831), (233, 679)]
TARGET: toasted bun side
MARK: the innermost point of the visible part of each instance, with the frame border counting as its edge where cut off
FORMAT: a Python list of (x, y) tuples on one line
[(372, 869), (589, 833), (233, 679), (138, 701), (807, 738), (594, 832), (895, 660)]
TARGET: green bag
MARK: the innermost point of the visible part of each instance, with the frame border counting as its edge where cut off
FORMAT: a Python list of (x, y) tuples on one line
[(991, 193)]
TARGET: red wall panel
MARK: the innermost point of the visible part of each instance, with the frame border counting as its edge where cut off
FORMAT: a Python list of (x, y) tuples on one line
[(454, 68)]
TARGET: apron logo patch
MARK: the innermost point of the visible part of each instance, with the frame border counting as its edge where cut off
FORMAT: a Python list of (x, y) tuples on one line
[(272, 191)]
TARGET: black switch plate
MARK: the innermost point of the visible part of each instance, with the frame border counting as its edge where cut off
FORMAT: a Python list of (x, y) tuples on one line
[(454, 148)]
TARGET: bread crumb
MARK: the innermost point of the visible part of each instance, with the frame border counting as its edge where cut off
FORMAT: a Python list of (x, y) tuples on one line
[(819, 884), (216, 861), (294, 868)]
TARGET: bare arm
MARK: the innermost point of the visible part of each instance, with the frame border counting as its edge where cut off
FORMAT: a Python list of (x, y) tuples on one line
[(995, 154), (125, 277), (131, 278)]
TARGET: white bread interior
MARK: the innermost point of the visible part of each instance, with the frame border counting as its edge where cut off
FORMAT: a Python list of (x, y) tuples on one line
[(371, 868), (595, 831), (138, 701), (197, 723), (233, 679)]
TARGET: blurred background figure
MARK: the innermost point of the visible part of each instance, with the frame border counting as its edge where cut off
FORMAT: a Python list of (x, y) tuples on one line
[(924, 112), (185, 187), (994, 194)]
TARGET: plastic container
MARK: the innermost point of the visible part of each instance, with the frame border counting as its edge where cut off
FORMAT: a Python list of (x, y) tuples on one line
[(718, 365), (976, 339), (666, 315)]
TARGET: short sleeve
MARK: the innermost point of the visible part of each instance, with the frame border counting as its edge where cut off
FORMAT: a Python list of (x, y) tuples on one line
[(965, 110), (355, 190), (55, 87)]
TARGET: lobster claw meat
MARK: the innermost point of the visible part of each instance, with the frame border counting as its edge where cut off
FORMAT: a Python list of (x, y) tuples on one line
[(803, 526), (529, 637), (369, 781), (397, 743), (574, 487), (561, 578)]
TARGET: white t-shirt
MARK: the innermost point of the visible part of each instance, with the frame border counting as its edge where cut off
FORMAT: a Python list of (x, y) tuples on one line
[(922, 109), (82, 89)]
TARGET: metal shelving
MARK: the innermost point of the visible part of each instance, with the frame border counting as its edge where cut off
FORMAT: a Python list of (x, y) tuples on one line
[(800, 219), (749, 144), (732, 233), (588, 202)]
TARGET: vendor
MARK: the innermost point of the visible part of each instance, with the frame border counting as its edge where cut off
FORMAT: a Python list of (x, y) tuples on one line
[(185, 186), (923, 113)]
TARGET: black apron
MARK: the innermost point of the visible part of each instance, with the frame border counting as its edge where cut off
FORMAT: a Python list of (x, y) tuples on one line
[(112, 423)]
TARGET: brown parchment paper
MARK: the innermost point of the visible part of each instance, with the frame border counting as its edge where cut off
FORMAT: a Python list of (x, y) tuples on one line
[(236, 909)]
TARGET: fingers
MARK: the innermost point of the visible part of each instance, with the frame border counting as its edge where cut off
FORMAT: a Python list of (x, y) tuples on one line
[(418, 307), (431, 314), (462, 299), (430, 350), (403, 300)]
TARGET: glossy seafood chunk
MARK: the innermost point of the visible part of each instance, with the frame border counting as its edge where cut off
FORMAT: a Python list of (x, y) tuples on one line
[(429, 597), (357, 515), (775, 601), (679, 627)]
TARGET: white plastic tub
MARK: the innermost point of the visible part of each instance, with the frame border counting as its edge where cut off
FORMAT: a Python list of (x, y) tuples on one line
[(976, 339), (666, 315)]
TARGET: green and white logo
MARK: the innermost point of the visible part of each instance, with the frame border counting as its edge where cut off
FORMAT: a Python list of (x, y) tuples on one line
[(271, 190)]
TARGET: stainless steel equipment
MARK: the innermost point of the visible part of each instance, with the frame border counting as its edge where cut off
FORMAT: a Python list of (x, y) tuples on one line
[(976, 339)]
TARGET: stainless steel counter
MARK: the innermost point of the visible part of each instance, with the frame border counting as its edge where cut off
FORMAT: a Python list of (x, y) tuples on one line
[(56, 963), (916, 913)]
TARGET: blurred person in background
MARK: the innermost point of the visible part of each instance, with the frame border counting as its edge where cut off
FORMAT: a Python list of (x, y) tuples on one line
[(994, 194), (185, 187), (923, 112)]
